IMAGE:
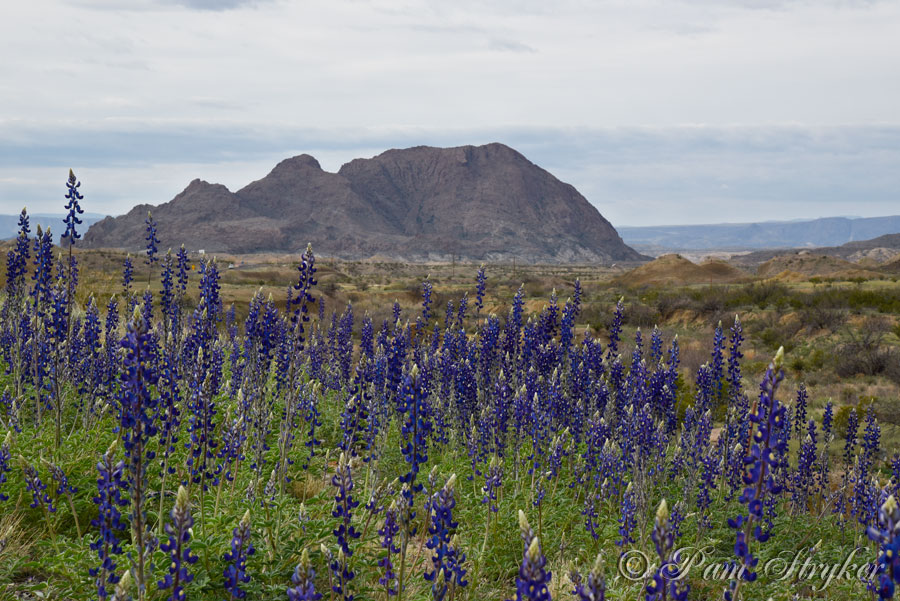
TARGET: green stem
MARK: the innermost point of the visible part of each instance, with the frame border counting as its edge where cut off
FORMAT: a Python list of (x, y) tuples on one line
[(74, 514)]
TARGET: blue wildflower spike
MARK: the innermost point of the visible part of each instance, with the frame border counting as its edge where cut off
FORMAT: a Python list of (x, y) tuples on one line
[(179, 531), (241, 548), (74, 209)]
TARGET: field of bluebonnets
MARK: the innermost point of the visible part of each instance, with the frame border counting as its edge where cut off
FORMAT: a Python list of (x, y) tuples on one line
[(159, 446)]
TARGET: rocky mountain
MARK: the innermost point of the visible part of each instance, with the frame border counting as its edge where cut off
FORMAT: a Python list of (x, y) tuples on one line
[(482, 203), (828, 231)]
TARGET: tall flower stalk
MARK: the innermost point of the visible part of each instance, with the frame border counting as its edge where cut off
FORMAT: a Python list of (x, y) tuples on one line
[(110, 486), (137, 420), (759, 480), (533, 580), (241, 548), (179, 531)]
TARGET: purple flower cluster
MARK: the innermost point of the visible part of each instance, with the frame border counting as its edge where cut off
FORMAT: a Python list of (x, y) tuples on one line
[(241, 548)]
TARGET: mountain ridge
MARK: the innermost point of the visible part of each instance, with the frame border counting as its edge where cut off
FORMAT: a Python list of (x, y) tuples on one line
[(811, 233), (422, 203)]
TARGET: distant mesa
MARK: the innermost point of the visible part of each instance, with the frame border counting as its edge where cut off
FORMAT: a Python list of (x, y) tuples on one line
[(480, 203)]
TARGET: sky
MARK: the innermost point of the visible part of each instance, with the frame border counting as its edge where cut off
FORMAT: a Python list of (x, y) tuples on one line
[(659, 112)]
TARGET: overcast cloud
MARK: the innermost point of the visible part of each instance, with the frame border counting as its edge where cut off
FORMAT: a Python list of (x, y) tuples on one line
[(659, 112)]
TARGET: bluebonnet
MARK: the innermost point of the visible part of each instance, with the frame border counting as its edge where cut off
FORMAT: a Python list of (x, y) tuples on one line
[(804, 483), (593, 586), (717, 367), (887, 534), (864, 492), (122, 588), (576, 296), (110, 487), (304, 578), (445, 557), (354, 417), (203, 441), (615, 329), (533, 579), (5, 464), (152, 240), (43, 270), (137, 421), (850, 440), (167, 296), (479, 290), (127, 279), (17, 258), (426, 300), (63, 488), (666, 582), (305, 282), (461, 311), (416, 427), (37, 488), (231, 450), (627, 519), (850, 437), (179, 531), (235, 572), (493, 480), (60, 478), (827, 437), (800, 408), (183, 268), (73, 208), (344, 504), (709, 473), (764, 454), (341, 574), (389, 531)]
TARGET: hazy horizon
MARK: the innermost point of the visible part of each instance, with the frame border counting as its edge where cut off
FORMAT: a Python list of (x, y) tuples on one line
[(660, 113)]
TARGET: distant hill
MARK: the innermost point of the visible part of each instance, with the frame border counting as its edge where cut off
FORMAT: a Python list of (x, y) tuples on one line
[(807, 264), (9, 224), (829, 231), (418, 204), (675, 270), (886, 247)]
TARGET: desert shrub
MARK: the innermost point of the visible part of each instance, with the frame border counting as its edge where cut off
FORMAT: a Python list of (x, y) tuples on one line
[(888, 411), (763, 294), (815, 360), (712, 304), (843, 413), (641, 316), (865, 352), (883, 301), (775, 337), (818, 317), (668, 304)]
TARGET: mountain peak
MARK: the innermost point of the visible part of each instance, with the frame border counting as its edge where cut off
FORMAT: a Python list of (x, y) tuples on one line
[(297, 163), (482, 203)]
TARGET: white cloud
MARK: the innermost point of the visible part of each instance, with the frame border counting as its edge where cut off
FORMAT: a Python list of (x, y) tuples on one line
[(148, 86)]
